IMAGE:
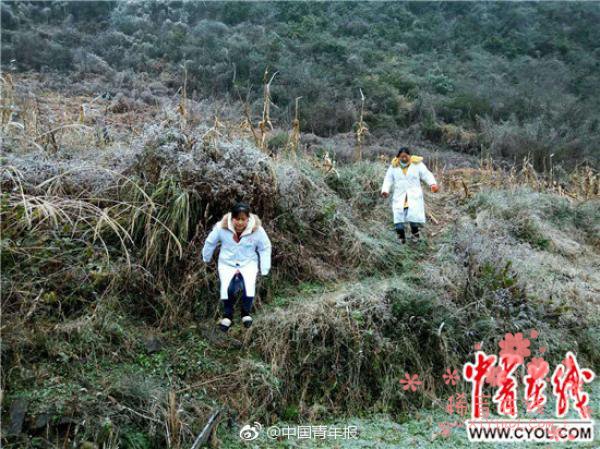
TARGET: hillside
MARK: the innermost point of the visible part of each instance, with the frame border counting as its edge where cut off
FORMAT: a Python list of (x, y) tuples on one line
[(505, 79), (128, 129), (108, 332)]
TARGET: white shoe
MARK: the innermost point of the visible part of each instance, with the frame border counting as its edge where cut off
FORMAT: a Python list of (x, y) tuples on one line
[(247, 321), (225, 324)]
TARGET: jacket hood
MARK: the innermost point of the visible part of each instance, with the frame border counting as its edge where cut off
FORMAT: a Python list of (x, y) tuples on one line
[(413, 160), (253, 223)]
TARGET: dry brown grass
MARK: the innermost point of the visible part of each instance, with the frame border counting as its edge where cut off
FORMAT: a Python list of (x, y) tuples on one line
[(6, 98), (53, 122), (338, 352), (458, 138), (582, 183), (334, 353)]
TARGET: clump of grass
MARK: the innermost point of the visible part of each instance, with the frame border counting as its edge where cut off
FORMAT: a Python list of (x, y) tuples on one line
[(528, 230), (54, 242), (521, 259), (161, 222), (345, 351), (324, 353), (331, 231)]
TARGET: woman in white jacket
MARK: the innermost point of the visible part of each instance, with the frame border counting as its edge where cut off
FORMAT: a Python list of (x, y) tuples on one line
[(244, 243), (405, 175)]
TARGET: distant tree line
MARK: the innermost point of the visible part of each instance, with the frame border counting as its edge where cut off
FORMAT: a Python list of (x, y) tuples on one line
[(521, 77)]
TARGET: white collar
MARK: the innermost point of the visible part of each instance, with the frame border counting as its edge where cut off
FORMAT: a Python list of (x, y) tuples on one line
[(249, 226)]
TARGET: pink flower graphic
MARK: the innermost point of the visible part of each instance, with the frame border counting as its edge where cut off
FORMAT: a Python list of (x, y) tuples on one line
[(537, 368), (515, 346), (542, 349), (450, 377), (495, 376), (477, 346), (534, 333), (411, 382)]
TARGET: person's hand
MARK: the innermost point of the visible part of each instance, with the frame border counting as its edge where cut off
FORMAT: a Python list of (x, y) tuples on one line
[(435, 188), (385, 194)]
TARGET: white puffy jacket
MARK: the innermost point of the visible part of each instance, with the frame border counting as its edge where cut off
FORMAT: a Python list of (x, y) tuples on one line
[(243, 256), (408, 186)]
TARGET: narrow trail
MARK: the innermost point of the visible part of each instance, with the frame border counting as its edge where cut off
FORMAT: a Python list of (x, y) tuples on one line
[(445, 214)]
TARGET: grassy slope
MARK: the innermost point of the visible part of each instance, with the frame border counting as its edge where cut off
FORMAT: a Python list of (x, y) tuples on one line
[(420, 426), (105, 369), (419, 430), (102, 369)]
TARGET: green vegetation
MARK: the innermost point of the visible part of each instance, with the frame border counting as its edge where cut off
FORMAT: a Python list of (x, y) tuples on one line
[(116, 347), (521, 77), (382, 432), (108, 312)]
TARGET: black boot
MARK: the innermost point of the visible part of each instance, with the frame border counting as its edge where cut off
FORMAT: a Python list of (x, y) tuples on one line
[(415, 232), (401, 235)]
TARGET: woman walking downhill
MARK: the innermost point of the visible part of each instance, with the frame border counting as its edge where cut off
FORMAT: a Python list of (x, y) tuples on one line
[(244, 244), (405, 175)]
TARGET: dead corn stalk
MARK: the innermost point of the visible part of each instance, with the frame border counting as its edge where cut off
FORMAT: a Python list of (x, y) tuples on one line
[(7, 98), (173, 422), (294, 138), (247, 124), (266, 116), (213, 134), (329, 165), (361, 129), (182, 109)]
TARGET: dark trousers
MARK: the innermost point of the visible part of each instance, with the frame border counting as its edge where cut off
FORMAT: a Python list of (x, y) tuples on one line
[(235, 287), (414, 227)]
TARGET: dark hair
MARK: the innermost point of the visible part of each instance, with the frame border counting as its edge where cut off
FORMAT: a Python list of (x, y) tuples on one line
[(403, 150), (240, 208)]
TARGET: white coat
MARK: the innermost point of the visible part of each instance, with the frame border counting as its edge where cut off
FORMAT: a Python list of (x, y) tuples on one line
[(408, 186), (242, 256)]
